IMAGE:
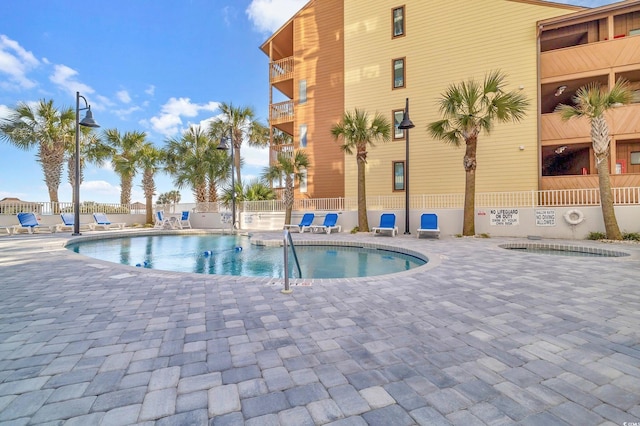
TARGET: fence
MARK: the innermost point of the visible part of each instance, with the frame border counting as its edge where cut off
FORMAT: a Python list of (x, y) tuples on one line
[(546, 198)]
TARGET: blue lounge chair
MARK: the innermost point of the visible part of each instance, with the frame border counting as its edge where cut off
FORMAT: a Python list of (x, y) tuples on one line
[(29, 222), (387, 225), (184, 220), (102, 222), (305, 223), (428, 225), (68, 219), (163, 222), (329, 224)]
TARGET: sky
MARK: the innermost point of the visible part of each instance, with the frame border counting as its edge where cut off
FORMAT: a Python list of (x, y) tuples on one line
[(156, 66)]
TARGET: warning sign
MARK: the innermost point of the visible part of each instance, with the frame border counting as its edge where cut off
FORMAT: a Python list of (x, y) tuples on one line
[(504, 217), (545, 217)]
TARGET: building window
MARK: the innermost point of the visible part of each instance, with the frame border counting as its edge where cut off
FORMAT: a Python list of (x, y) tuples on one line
[(303, 136), (398, 21), (303, 91), (398, 115), (398, 175), (398, 73), (635, 157), (303, 181)]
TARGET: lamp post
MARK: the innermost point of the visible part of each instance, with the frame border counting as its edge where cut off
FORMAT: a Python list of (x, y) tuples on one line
[(226, 145), (87, 121), (405, 125)]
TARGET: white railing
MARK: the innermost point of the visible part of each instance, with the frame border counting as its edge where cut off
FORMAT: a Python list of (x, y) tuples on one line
[(556, 198)]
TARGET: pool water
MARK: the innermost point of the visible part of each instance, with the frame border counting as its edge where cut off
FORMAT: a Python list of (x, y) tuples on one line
[(235, 255)]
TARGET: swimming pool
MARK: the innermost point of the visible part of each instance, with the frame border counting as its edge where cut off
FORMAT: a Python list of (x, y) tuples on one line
[(235, 255)]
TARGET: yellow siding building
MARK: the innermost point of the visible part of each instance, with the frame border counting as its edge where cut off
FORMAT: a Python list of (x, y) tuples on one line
[(349, 63)]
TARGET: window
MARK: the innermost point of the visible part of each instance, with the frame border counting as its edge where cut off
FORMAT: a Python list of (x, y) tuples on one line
[(303, 136), (635, 157), (398, 73), (398, 21), (398, 115), (398, 175), (303, 181), (303, 91)]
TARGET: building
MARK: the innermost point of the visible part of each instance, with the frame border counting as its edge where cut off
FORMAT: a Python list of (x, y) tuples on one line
[(335, 55), (595, 45)]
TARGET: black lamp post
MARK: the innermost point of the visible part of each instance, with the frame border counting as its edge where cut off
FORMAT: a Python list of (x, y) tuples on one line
[(405, 125), (226, 144), (87, 121)]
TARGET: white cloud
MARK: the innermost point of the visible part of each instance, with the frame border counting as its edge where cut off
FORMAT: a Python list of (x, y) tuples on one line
[(65, 78), (4, 111), (151, 90), (123, 96), (169, 121), (254, 157), (269, 15), (16, 62)]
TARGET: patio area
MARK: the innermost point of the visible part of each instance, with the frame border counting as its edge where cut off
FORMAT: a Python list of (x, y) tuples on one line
[(482, 335)]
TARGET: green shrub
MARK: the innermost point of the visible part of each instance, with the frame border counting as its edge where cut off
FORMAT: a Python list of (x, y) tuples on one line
[(484, 235), (631, 236), (355, 230), (596, 236)]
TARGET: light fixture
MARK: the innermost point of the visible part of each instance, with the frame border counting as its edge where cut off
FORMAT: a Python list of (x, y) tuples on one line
[(560, 149), (560, 90), (405, 125), (87, 121), (224, 145)]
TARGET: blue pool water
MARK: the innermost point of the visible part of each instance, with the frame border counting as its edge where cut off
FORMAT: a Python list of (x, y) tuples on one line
[(235, 255)]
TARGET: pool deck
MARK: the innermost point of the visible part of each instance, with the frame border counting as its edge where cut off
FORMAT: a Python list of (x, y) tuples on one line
[(481, 335)]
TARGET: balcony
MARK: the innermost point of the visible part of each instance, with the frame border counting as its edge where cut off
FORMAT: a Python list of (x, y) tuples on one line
[(281, 70), (589, 58)]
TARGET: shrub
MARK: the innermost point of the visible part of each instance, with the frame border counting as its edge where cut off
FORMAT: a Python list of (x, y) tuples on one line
[(355, 230), (631, 236), (596, 236)]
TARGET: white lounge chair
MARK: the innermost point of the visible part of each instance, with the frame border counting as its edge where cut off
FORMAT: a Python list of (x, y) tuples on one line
[(387, 225), (163, 222), (428, 225), (184, 220), (330, 223), (29, 222), (305, 223), (68, 219), (102, 222)]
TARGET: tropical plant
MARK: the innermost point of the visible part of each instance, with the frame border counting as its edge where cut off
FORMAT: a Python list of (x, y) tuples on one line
[(151, 159), (255, 190), (124, 158), (358, 132), (469, 108), (43, 126), (592, 101), (242, 124), (292, 167), (190, 160), (171, 197)]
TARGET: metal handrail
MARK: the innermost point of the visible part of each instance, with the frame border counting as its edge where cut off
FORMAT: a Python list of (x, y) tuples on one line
[(289, 241)]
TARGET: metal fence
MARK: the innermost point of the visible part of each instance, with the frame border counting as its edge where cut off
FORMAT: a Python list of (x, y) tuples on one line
[(547, 198)]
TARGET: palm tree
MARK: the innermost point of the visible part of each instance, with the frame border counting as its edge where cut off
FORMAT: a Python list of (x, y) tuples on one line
[(258, 191), (124, 158), (91, 148), (46, 127), (169, 197), (469, 108), (150, 158), (592, 101), (292, 167), (243, 125), (358, 132), (191, 160)]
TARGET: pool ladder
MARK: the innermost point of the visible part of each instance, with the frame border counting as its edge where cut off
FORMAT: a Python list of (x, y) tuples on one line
[(288, 241)]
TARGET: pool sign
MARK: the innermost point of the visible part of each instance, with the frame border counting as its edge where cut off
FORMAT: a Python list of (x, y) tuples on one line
[(504, 217), (545, 217)]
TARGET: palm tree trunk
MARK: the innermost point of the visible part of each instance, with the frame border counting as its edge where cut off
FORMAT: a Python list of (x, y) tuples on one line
[(363, 223), (601, 144), (606, 201), (468, 224), (288, 198)]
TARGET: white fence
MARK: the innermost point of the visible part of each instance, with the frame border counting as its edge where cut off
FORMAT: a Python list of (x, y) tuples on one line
[(549, 198)]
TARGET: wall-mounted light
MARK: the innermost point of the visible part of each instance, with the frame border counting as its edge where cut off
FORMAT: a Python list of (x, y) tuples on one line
[(560, 149), (560, 90)]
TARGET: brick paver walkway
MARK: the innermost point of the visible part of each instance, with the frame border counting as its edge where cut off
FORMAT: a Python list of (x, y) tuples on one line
[(481, 336)]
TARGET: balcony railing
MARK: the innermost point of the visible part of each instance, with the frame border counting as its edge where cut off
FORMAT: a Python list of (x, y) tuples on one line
[(281, 112), (281, 69)]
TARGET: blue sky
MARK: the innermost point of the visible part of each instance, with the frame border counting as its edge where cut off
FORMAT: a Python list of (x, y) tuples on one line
[(149, 65)]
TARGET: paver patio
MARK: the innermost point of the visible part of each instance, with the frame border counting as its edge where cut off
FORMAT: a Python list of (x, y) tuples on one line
[(482, 335)]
